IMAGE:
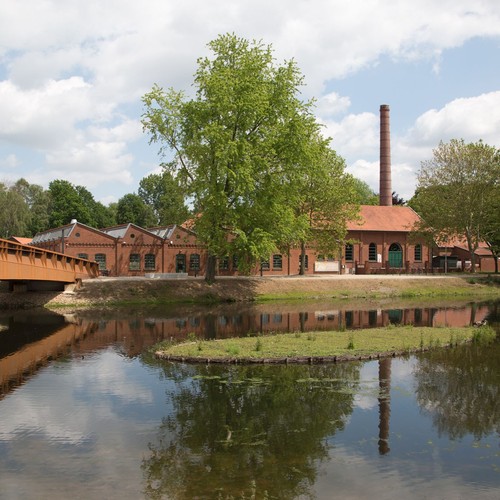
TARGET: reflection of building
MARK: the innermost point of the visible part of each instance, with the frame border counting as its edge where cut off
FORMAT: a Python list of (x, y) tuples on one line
[(31, 341)]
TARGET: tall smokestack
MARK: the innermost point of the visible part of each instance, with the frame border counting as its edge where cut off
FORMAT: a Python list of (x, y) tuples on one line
[(385, 157)]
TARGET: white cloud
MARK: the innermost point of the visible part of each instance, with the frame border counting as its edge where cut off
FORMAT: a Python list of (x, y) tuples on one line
[(10, 162), (354, 134), (332, 104), (72, 73), (470, 119)]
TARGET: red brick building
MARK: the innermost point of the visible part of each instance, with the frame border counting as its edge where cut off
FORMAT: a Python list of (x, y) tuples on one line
[(379, 242)]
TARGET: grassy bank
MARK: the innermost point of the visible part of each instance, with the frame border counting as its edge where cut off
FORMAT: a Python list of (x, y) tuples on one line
[(119, 292), (116, 292), (323, 346)]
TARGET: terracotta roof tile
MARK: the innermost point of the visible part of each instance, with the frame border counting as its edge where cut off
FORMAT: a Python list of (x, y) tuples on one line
[(383, 218)]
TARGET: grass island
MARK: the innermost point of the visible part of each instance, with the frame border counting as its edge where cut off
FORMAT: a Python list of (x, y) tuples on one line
[(317, 347)]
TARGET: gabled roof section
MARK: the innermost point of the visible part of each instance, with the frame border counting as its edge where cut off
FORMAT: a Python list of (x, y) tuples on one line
[(121, 230), (384, 218), (164, 232), (117, 231), (461, 244), (62, 231), (21, 240)]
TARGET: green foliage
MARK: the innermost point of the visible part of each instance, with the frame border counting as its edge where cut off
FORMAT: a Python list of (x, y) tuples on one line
[(166, 196), (456, 190), (67, 202), (258, 344), (14, 214), (132, 209), (350, 344), (37, 201), (364, 195)]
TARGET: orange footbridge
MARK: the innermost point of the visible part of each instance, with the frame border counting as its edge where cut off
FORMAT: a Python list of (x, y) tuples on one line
[(30, 266)]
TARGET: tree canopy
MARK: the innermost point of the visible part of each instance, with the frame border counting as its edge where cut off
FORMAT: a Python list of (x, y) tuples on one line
[(14, 213), (240, 145), (456, 191), (131, 208), (165, 195)]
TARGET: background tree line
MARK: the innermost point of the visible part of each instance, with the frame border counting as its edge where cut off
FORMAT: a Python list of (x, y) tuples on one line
[(26, 209)]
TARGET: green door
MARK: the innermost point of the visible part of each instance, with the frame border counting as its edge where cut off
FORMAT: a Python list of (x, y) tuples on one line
[(395, 255)]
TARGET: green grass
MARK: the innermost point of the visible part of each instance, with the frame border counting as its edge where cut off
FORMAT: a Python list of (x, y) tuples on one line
[(353, 343)]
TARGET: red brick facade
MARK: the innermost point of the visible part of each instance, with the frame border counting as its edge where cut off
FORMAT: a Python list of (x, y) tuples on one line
[(378, 243)]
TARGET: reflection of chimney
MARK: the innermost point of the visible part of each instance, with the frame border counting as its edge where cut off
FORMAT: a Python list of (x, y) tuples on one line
[(385, 157), (384, 405)]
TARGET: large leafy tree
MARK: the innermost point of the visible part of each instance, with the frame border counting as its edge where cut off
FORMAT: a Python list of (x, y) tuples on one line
[(327, 199), (165, 195), (14, 213), (456, 189), (364, 194), (37, 199), (237, 145), (131, 208), (492, 226), (68, 202)]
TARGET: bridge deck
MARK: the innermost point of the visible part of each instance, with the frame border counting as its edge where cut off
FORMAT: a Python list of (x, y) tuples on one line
[(26, 263)]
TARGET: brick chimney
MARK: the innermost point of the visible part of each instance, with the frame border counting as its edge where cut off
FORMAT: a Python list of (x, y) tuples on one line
[(385, 158)]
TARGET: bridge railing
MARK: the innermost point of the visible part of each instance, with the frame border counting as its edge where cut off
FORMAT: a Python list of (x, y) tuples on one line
[(25, 262)]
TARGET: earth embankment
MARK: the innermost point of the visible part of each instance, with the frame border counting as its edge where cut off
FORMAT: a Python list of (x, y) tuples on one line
[(115, 291)]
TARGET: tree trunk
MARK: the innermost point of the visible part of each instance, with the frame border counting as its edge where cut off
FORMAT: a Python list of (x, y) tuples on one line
[(302, 270), (210, 270)]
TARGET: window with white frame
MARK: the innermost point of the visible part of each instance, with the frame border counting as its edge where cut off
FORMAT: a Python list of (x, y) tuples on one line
[(150, 261), (277, 261), (134, 262)]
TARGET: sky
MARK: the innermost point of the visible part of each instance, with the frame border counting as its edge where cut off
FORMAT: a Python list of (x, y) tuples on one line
[(72, 74)]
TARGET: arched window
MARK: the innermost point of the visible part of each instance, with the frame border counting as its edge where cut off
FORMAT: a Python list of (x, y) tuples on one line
[(349, 252), (418, 253), (372, 252), (224, 263)]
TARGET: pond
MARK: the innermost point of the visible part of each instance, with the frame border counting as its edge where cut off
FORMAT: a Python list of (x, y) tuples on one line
[(87, 412)]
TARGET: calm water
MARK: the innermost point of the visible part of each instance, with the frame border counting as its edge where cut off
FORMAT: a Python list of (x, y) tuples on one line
[(85, 412)]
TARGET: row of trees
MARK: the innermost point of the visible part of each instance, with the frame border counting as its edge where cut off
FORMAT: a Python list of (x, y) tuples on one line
[(26, 209)]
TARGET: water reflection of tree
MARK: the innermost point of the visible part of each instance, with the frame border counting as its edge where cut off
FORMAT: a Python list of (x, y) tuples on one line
[(255, 429), (460, 388)]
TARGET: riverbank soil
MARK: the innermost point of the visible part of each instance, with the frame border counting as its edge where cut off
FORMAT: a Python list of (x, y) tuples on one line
[(109, 291)]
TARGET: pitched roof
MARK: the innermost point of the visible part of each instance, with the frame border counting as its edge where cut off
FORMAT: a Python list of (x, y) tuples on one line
[(20, 239), (461, 244), (164, 232), (384, 218), (62, 231)]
